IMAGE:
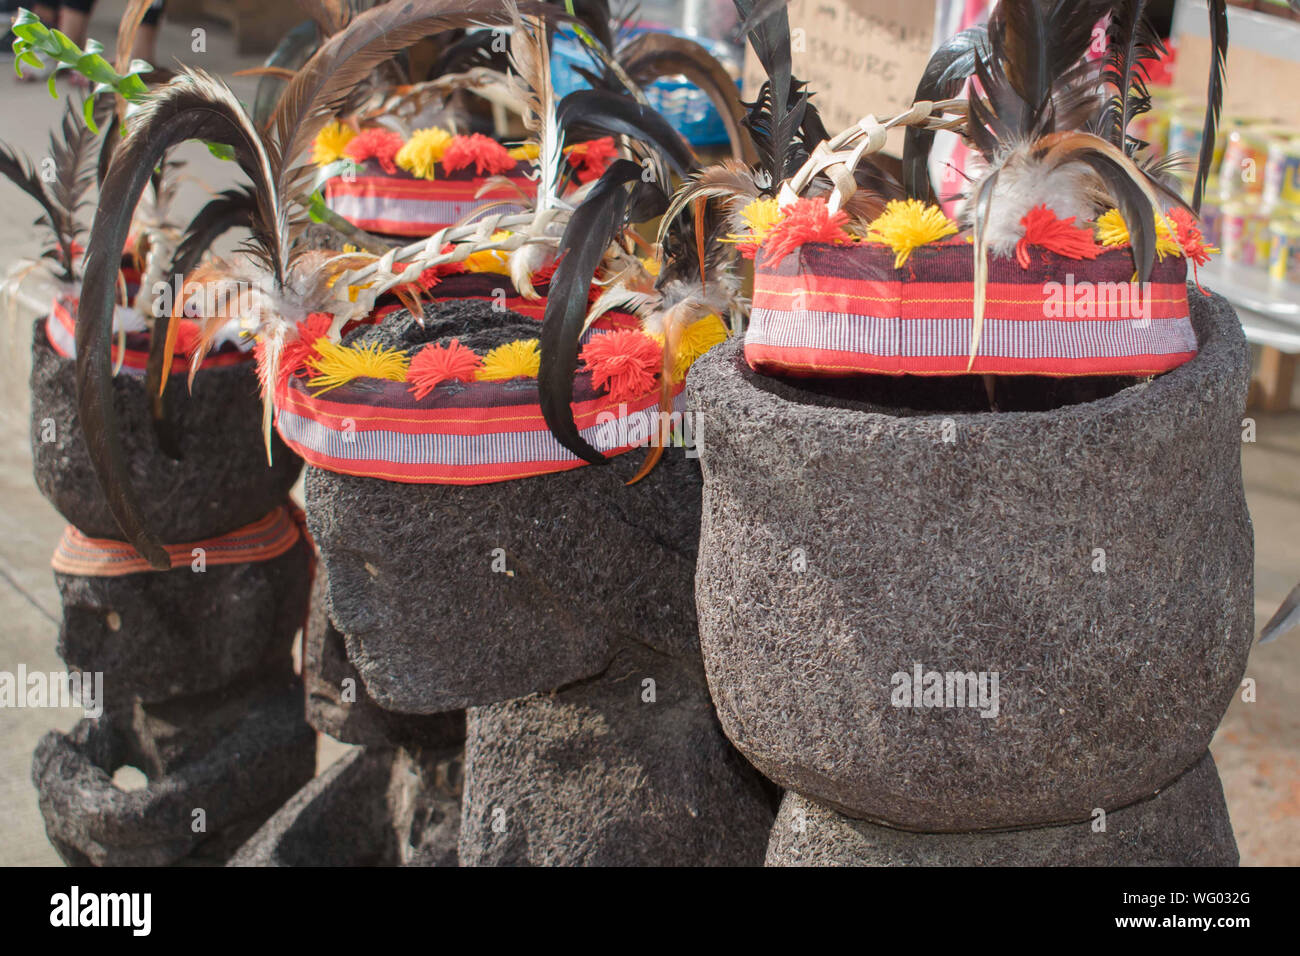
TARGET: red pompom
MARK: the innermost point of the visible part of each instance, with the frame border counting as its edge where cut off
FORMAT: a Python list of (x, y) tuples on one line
[(590, 160), (435, 364), (624, 363), (1192, 240), (293, 358), (1061, 236), (804, 221), (486, 155), (378, 144)]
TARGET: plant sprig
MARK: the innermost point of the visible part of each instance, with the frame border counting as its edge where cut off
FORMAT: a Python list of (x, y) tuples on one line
[(33, 39)]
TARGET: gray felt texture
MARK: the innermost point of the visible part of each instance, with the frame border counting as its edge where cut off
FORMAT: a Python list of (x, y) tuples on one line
[(220, 480), (1186, 824), (976, 555), (595, 775), (431, 627), (374, 806), (254, 767), (345, 710), (183, 632)]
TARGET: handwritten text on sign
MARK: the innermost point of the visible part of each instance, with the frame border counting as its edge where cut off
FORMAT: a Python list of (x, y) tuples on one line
[(858, 56)]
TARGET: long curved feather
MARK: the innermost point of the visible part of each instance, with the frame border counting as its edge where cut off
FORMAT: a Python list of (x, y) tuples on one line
[(1213, 95), (591, 228), (945, 74), (192, 106), (127, 29), (613, 114), (649, 56)]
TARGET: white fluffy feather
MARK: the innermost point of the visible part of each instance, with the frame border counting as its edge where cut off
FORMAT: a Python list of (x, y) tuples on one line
[(1071, 189)]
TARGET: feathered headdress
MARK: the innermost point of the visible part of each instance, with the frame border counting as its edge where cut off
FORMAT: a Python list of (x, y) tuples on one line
[(1050, 128), (691, 280), (281, 281)]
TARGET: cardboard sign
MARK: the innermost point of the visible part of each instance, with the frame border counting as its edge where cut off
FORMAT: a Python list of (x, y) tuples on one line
[(857, 56)]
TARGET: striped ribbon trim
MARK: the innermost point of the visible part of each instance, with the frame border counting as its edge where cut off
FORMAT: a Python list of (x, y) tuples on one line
[(402, 205), (263, 540), (60, 330), (843, 310), (482, 433)]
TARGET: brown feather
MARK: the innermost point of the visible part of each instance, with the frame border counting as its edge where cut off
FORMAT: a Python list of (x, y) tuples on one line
[(650, 56), (126, 33)]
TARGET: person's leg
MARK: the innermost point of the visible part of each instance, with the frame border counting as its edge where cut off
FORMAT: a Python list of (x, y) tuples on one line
[(74, 23), (74, 19), (146, 38)]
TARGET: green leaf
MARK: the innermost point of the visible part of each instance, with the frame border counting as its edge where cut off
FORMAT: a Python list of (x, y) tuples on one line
[(317, 211), (95, 67), (54, 94), (31, 31), (131, 87), (64, 48), (221, 150), (88, 114)]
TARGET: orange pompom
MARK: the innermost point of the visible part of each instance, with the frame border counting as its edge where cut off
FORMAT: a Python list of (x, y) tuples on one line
[(484, 153), (378, 144), (1060, 236), (435, 364), (804, 221), (625, 363)]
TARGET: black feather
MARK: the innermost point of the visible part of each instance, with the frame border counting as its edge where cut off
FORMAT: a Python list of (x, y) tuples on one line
[(760, 12), (71, 174), (192, 106), (609, 113), (595, 16), (1213, 96), (949, 68), (1133, 43), (590, 230), (294, 49), (476, 49)]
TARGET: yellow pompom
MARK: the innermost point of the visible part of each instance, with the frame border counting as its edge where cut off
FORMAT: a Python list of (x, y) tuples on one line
[(336, 364), (526, 153), (329, 144), (421, 153), (698, 338), (760, 216), (518, 359), (908, 224), (1112, 230), (651, 265)]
